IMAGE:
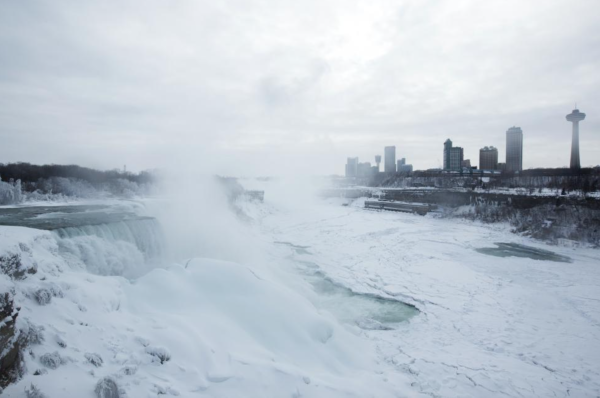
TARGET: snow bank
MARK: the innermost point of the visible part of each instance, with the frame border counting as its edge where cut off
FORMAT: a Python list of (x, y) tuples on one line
[(204, 326)]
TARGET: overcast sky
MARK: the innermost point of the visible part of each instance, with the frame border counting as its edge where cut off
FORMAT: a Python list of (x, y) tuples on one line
[(274, 87)]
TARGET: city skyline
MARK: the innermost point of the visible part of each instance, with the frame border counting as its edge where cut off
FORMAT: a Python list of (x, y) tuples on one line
[(85, 87), (514, 151)]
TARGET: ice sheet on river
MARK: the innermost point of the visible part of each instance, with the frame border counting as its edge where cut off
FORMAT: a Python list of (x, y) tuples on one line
[(490, 326)]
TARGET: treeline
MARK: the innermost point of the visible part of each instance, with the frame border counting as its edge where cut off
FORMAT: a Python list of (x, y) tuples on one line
[(589, 181), (28, 173), (547, 222), (23, 181)]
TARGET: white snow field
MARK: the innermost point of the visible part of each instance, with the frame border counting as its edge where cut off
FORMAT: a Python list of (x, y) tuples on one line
[(304, 299), (489, 326)]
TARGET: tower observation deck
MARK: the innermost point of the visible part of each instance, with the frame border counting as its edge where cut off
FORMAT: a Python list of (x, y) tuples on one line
[(575, 117)]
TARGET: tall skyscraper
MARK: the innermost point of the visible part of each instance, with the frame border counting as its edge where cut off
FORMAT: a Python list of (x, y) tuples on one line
[(400, 163), (364, 169), (390, 159), (378, 161), (453, 156), (351, 167), (575, 117), (514, 149), (488, 158)]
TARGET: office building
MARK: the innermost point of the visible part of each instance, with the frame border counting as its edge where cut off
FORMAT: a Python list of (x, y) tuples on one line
[(352, 167), (400, 163), (453, 156), (514, 149), (390, 159), (575, 117), (488, 158), (405, 168), (378, 161), (364, 170)]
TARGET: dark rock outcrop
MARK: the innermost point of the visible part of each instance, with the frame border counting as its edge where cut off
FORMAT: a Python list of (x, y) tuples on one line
[(10, 353)]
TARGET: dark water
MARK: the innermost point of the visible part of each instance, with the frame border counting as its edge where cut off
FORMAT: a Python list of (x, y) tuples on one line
[(368, 311), (58, 217), (517, 250)]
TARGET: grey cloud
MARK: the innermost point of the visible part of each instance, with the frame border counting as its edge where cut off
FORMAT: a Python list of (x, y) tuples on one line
[(255, 86)]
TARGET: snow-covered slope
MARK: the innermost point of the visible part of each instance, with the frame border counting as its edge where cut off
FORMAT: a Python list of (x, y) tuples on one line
[(203, 327)]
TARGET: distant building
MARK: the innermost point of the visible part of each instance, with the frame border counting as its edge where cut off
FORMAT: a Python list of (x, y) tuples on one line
[(405, 168), (453, 156), (378, 161), (364, 170), (390, 159), (352, 167), (488, 158), (466, 163), (501, 166), (514, 149)]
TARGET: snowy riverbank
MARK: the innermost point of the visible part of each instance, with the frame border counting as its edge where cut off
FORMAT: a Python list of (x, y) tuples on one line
[(297, 309)]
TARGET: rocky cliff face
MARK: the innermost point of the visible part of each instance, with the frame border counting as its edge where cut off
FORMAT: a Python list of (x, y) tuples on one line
[(10, 354)]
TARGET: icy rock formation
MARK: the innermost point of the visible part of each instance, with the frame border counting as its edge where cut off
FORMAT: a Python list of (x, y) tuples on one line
[(42, 296), (51, 360), (9, 347), (61, 342), (12, 265), (160, 354), (33, 392), (94, 359), (107, 388)]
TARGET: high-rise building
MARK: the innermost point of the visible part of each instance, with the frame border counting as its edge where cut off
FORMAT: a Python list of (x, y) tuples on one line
[(364, 169), (453, 156), (488, 158), (402, 167), (390, 159), (514, 149), (466, 163), (378, 161), (405, 168), (575, 117), (351, 167)]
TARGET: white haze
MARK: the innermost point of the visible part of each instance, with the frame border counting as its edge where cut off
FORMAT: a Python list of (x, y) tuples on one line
[(198, 221), (283, 87)]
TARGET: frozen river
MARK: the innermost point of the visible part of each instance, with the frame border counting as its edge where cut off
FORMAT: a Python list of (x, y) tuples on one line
[(501, 315), (319, 298)]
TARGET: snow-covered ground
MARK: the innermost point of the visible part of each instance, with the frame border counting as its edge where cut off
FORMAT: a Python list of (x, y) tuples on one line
[(256, 325), (197, 327), (490, 326)]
